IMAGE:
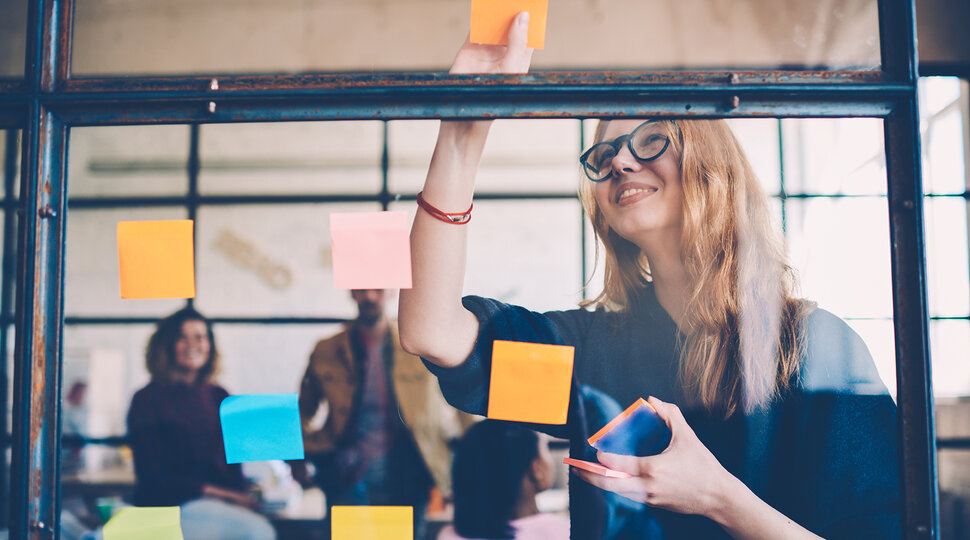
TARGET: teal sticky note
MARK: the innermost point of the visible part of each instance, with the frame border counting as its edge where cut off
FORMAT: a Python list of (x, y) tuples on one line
[(261, 427)]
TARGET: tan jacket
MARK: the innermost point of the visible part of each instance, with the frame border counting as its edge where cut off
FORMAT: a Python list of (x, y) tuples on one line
[(332, 378)]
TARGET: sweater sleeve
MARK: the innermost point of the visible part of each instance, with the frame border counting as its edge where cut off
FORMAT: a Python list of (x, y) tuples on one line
[(154, 477), (845, 437), (466, 385)]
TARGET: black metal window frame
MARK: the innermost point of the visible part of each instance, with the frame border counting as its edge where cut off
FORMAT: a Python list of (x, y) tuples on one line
[(49, 101)]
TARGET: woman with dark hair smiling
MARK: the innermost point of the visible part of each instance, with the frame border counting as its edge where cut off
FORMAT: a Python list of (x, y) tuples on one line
[(499, 469), (176, 437)]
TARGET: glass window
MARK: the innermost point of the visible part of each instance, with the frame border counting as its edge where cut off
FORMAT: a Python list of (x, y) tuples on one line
[(535, 241), (128, 160), (269, 261), (177, 36), (13, 38), (91, 280), (834, 157), (521, 156), (291, 158)]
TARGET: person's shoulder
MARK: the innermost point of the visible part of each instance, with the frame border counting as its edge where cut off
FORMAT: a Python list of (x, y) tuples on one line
[(149, 392), (835, 357), (216, 390), (329, 344)]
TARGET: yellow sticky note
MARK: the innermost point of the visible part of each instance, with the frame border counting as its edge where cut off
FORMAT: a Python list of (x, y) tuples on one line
[(155, 259), (530, 382), (372, 523), (134, 523), (491, 20)]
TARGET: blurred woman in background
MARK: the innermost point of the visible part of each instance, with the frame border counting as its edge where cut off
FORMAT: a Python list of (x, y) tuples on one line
[(176, 437)]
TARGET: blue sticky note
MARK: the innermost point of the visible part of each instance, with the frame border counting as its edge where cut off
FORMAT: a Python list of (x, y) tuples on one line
[(260, 427), (637, 431)]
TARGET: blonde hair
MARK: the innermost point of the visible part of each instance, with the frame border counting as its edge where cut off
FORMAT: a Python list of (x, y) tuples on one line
[(741, 344)]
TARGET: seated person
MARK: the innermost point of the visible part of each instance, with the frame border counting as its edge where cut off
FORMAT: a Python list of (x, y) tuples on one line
[(176, 437), (499, 468)]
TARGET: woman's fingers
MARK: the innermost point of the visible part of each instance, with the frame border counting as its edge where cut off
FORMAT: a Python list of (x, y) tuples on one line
[(628, 464), (630, 488), (519, 55)]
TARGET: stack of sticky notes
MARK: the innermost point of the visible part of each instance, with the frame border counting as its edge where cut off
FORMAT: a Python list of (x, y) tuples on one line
[(490, 21), (134, 523), (370, 250), (530, 382), (261, 427), (155, 259), (372, 523), (637, 431)]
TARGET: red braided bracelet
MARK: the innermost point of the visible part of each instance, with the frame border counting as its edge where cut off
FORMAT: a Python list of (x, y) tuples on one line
[(453, 218)]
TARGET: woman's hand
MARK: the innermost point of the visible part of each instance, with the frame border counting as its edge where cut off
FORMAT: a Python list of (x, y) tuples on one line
[(685, 478), (514, 58)]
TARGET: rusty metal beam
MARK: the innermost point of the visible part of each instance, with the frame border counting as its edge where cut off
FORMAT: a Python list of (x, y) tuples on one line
[(39, 315), (35, 455), (897, 32)]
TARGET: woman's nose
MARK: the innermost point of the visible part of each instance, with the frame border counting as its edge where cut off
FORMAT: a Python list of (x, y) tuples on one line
[(625, 162)]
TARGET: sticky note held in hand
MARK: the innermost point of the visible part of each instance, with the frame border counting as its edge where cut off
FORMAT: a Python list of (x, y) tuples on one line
[(155, 259), (372, 523), (491, 20), (147, 523), (637, 431), (370, 250), (530, 382), (261, 427), (595, 468)]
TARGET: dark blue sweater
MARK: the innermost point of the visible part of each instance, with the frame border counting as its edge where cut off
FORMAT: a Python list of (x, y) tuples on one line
[(825, 454)]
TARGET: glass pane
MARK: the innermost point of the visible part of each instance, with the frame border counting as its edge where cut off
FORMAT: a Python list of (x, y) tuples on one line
[(13, 38), (91, 286), (10, 150), (841, 249), (291, 158), (946, 257), (269, 261), (258, 359), (297, 36), (511, 238), (128, 160), (943, 105), (829, 157), (949, 343), (537, 156)]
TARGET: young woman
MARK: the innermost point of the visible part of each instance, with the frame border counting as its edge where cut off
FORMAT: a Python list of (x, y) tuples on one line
[(781, 425), (176, 437), (498, 470)]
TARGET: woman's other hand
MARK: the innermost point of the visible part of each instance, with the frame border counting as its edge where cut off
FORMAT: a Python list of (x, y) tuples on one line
[(685, 478), (514, 58)]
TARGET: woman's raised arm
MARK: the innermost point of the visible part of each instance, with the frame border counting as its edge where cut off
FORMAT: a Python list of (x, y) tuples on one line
[(433, 323)]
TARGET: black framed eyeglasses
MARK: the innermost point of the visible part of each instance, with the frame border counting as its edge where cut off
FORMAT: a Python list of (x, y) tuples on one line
[(647, 142)]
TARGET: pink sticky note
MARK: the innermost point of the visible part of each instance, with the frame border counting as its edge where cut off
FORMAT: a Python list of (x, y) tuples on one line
[(595, 468), (370, 250)]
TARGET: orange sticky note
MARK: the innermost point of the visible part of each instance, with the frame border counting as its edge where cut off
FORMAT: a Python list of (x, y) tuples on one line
[(370, 250), (595, 468), (530, 382), (372, 523), (491, 20), (155, 259)]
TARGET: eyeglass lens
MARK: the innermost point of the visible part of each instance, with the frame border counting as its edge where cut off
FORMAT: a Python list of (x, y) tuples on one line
[(647, 142)]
